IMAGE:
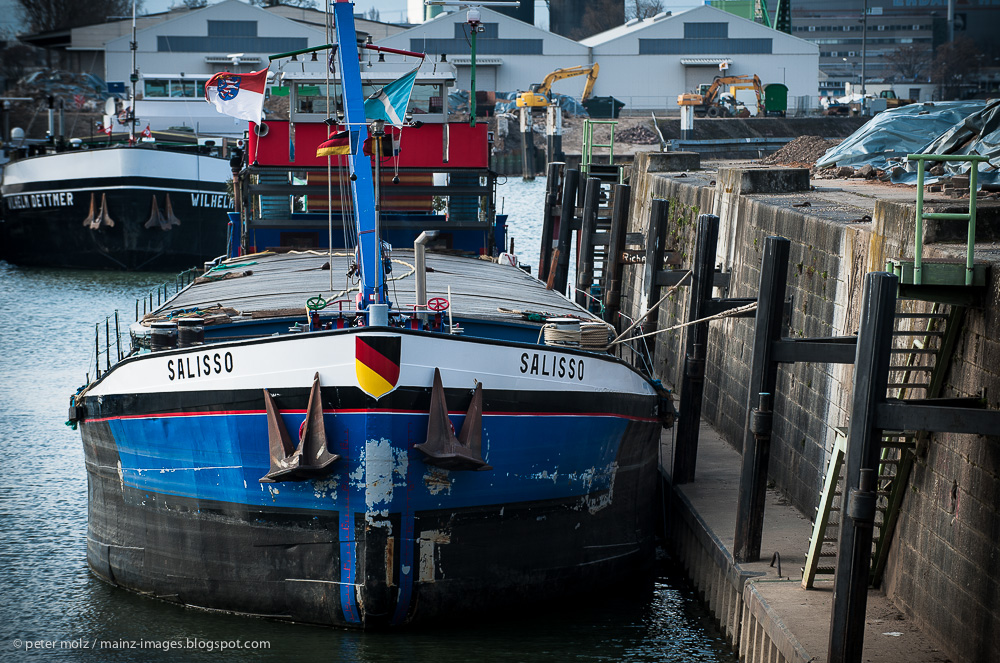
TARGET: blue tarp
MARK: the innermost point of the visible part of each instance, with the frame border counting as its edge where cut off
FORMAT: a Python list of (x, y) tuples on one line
[(945, 127)]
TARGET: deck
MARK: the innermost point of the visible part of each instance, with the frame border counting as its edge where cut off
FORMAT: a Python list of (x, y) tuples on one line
[(269, 284)]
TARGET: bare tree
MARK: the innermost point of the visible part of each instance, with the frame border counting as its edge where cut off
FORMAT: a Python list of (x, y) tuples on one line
[(196, 4), (373, 15), (909, 62), (643, 8), (956, 66), (49, 15)]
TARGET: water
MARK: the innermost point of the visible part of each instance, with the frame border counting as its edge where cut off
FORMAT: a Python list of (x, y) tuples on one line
[(524, 203), (46, 347)]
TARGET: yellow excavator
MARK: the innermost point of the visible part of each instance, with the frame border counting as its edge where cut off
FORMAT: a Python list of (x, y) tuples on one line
[(538, 97), (709, 100)]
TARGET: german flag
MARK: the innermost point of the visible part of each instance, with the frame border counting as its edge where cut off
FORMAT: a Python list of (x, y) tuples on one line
[(377, 364), (338, 144)]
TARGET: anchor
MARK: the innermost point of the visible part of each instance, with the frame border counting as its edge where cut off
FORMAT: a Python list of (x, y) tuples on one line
[(159, 219), (101, 218), (310, 459), (442, 448)]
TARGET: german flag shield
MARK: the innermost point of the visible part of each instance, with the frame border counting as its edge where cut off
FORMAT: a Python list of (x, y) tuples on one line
[(377, 364)]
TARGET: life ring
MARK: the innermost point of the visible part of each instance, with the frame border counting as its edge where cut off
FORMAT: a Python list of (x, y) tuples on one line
[(438, 304)]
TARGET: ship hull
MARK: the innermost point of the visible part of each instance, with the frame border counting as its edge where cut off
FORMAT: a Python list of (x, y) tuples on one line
[(53, 204), (177, 511)]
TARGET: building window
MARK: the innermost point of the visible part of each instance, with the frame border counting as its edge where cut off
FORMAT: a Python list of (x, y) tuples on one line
[(187, 88), (704, 46), (706, 30), (490, 31), (185, 44), (232, 28), (483, 46)]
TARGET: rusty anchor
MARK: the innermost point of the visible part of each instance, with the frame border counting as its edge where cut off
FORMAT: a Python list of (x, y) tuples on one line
[(442, 448), (99, 218), (162, 220), (310, 459)]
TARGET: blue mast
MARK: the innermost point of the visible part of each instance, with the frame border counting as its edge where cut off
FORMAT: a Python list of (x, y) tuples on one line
[(372, 275)]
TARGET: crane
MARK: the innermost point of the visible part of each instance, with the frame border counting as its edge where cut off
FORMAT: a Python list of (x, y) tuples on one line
[(538, 97)]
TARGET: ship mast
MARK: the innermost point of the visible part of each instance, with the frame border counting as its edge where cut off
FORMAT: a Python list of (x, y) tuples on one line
[(369, 244), (134, 77)]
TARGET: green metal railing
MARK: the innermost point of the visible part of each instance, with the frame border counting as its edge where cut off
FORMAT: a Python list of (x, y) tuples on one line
[(589, 145), (969, 217)]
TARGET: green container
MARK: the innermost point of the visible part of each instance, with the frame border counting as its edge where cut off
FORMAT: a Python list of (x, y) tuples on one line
[(775, 99), (603, 107)]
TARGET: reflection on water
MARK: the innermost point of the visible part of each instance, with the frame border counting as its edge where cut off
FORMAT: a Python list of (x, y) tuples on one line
[(46, 347)]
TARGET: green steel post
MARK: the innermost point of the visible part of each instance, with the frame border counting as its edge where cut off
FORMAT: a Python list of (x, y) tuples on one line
[(971, 249), (472, 94), (918, 247)]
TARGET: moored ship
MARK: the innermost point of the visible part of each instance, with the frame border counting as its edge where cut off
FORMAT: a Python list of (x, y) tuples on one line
[(144, 207), (368, 436)]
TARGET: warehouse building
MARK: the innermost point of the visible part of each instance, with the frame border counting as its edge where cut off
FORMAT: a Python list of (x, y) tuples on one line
[(644, 63)]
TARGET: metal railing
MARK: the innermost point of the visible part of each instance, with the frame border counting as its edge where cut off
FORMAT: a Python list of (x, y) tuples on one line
[(969, 217)]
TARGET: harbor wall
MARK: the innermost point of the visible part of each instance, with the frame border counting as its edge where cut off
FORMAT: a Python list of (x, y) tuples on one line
[(944, 564)]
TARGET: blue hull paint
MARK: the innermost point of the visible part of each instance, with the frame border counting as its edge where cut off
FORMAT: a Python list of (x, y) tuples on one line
[(222, 457)]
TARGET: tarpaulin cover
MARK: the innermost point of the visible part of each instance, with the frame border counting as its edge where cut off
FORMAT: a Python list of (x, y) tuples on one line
[(893, 134), (979, 133)]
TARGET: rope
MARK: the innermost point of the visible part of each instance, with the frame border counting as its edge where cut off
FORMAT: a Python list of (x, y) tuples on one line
[(718, 316), (669, 292)]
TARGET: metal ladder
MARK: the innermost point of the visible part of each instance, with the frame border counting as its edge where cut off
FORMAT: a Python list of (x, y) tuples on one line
[(927, 356), (587, 166)]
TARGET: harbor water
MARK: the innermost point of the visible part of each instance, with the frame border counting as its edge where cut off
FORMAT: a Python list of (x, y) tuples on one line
[(51, 603)]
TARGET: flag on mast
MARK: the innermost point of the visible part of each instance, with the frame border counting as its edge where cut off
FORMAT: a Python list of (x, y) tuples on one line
[(239, 95), (390, 102), (339, 143)]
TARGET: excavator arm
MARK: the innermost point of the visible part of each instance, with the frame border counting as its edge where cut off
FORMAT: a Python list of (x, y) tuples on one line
[(539, 94)]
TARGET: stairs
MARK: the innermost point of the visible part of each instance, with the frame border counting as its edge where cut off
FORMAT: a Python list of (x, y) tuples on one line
[(923, 346)]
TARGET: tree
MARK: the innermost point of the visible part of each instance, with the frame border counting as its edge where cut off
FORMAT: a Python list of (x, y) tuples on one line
[(643, 8), (956, 66), (909, 62), (50, 15), (196, 4), (372, 14)]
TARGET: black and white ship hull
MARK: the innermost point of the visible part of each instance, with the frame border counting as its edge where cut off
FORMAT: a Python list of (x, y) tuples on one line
[(115, 208)]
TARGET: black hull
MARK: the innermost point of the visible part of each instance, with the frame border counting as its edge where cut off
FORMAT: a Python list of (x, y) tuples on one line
[(57, 237), (285, 563)]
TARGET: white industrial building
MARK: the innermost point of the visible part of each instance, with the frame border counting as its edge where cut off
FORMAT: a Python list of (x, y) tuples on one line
[(649, 62), (644, 63), (176, 57), (511, 54)]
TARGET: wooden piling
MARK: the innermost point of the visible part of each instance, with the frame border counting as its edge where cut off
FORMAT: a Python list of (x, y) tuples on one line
[(588, 226), (693, 381), (571, 182), (612, 273), (763, 380), (553, 179)]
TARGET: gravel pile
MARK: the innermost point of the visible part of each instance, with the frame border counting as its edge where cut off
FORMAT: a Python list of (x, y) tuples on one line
[(803, 151), (637, 136)]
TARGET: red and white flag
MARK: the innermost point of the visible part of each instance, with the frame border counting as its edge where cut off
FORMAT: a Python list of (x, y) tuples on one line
[(146, 133), (239, 95)]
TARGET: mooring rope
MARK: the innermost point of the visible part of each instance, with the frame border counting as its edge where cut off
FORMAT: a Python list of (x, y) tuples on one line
[(639, 320), (718, 316)]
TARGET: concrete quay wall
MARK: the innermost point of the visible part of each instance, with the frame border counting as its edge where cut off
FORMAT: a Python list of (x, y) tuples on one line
[(944, 564)]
